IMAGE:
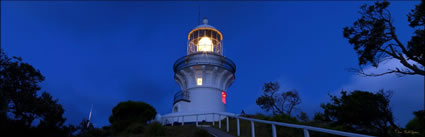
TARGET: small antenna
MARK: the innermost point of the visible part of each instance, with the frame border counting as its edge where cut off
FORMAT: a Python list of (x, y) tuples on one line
[(91, 110)]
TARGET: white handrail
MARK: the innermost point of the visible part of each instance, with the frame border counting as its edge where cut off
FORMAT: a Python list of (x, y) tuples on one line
[(272, 123)]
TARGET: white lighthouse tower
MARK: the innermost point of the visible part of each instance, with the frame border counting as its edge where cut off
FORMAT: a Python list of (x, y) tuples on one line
[(204, 75)]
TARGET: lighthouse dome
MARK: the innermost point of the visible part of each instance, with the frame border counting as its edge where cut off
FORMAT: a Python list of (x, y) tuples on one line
[(205, 24), (205, 39)]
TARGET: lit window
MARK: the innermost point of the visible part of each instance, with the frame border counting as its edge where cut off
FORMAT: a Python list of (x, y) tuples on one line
[(205, 44), (199, 81), (223, 97)]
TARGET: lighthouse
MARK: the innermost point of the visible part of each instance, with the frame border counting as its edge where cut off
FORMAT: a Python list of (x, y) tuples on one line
[(204, 74)]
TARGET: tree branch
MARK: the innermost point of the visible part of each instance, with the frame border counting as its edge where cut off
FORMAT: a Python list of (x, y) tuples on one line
[(400, 44), (391, 53), (397, 71), (403, 61)]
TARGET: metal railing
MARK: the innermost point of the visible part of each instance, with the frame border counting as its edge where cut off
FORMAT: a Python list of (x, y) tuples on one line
[(225, 63), (306, 129), (181, 96)]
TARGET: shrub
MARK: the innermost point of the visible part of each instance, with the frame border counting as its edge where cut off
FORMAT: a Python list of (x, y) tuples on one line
[(95, 132), (135, 128), (129, 112), (284, 118), (155, 129), (279, 118)]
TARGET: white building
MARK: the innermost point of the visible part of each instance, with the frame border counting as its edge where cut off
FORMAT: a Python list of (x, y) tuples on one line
[(204, 75)]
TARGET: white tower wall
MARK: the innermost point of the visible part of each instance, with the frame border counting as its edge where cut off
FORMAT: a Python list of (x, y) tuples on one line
[(207, 96), (202, 100)]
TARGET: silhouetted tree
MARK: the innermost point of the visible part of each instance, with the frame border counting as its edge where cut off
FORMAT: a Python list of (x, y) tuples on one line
[(417, 124), (85, 126), (375, 40), (303, 117), (278, 103), (50, 113), (360, 111), (131, 112), (243, 112), (20, 105), (320, 117)]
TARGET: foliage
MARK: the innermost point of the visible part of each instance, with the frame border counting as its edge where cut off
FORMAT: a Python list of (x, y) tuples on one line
[(94, 132), (135, 128), (278, 103), (129, 112), (279, 118), (283, 118), (242, 112), (375, 40), (360, 111), (418, 123), (23, 111), (320, 117), (416, 46), (155, 129), (303, 117), (84, 127)]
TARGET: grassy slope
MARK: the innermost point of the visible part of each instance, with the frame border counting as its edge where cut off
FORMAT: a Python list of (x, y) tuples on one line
[(175, 131)]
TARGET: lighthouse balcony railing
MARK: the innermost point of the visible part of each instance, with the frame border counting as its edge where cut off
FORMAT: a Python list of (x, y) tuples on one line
[(181, 96), (219, 116), (225, 63)]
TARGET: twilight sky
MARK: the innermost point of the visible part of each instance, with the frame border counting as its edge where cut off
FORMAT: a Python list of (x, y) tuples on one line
[(102, 53)]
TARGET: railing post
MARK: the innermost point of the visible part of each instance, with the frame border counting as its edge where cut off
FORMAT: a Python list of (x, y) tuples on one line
[(196, 120), (274, 130), (227, 123), (213, 117), (219, 121), (237, 126), (306, 134), (182, 120), (172, 121), (252, 129)]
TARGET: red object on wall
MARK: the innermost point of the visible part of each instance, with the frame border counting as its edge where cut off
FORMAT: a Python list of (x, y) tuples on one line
[(223, 97)]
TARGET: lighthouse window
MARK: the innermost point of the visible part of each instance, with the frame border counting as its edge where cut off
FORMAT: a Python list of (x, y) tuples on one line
[(191, 37), (208, 32), (201, 33), (195, 35), (199, 81), (214, 35)]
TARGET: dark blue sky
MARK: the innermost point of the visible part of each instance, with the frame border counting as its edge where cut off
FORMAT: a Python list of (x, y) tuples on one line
[(102, 53)]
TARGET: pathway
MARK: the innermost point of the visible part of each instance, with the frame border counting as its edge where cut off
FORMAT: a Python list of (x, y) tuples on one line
[(215, 132)]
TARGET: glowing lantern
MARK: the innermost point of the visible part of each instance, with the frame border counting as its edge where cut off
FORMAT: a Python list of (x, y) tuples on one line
[(223, 97), (205, 44)]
